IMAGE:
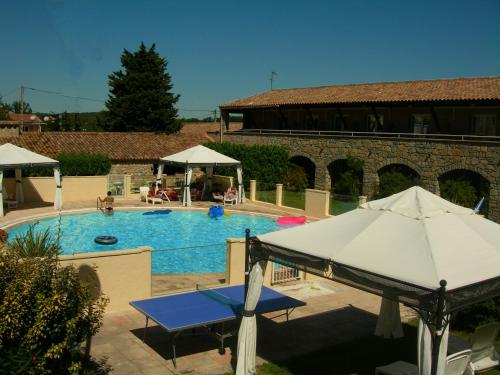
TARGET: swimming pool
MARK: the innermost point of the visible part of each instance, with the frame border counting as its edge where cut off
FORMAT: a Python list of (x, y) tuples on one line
[(183, 241)]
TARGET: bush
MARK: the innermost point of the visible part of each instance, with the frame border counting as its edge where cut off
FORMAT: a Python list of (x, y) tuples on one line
[(459, 191), (392, 182), (296, 178), (478, 314), (75, 164), (268, 164), (47, 313), (348, 176)]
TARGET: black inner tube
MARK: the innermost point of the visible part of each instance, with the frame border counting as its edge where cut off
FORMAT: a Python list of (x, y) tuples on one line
[(106, 240)]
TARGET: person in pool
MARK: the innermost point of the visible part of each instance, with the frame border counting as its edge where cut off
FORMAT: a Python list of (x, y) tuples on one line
[(107, 202)]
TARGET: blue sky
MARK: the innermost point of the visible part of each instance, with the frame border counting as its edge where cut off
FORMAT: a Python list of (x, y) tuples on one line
[(223, 50)]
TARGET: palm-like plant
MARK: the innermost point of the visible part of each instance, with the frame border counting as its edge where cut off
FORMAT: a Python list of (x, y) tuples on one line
[(35, 244)]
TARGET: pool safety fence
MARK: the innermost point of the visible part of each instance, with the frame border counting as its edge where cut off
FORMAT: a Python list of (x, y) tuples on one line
[(283, 274)]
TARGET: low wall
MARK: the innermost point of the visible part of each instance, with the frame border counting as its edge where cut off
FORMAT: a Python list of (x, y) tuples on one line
[(74, 188), (317, 203), (122, 275)]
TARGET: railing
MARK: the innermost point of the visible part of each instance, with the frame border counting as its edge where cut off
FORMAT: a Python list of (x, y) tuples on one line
[(282, 274), (116, 184), (375, 135)]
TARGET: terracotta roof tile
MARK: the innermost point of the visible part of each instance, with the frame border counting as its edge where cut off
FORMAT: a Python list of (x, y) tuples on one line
[(118, 146), (486, 88)]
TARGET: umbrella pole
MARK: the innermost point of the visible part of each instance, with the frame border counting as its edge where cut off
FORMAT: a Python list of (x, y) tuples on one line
[(247, 256), (436, 341)]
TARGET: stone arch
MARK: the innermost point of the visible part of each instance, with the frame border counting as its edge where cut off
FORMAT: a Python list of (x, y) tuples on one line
[(398, 161), (336, 168), (308, 165), (467, 166), (396, 177)]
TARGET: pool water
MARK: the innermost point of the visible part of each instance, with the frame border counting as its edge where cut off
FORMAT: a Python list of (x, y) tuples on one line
[(182, 241)]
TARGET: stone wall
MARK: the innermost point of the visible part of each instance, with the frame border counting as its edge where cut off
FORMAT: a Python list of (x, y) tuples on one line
[(141, 174), (430, 159)]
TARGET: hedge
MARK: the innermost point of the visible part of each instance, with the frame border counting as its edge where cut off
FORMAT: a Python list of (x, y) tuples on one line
[(75, 164), (268, 164)]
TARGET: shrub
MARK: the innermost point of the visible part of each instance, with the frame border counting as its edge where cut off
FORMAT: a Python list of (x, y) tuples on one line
[(35, 244), (459, 191), (478, 314), (75, 164), (348, 176), (268, 164), (296, 178), (392, 182), (47, 313)]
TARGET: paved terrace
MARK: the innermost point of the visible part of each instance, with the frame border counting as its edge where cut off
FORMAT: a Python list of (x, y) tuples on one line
[(334, 314)]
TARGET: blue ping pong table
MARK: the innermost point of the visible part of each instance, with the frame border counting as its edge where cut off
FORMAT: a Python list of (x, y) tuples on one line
[(188, 311)]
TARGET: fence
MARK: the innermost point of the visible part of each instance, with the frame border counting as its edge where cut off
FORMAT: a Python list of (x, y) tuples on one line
[(283, 274)]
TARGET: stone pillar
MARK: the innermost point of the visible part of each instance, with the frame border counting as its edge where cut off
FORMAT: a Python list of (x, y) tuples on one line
[(494, 203), (279, 194), (362, 200), (370, 184), (253, 188), (224, 124), (431, 184), (322, 179)]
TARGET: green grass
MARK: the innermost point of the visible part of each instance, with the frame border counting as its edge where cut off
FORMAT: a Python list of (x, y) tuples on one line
[(359, 356), (296, 199)]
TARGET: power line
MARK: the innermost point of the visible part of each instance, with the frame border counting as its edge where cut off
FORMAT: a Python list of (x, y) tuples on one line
[(65, 96)]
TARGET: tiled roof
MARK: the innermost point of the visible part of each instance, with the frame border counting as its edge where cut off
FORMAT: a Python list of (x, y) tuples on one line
[(486, 88), (118, 146), (26, 117)]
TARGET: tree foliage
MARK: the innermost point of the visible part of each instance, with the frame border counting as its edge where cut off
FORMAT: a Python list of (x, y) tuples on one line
[(395, 178), (4, 110), (16, 107), (348, 176), (47, 313), (75, 164), (296, 178), (459, 191), (268, 164), (140, 97)]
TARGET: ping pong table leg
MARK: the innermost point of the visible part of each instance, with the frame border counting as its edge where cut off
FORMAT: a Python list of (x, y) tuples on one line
[(222, 350), (174, 354), (145, 329)]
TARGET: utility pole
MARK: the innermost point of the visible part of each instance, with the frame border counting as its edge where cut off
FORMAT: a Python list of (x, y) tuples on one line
[(273, 74), (22, 108)]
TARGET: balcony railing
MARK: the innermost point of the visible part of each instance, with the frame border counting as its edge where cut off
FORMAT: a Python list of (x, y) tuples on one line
[(373, 135)]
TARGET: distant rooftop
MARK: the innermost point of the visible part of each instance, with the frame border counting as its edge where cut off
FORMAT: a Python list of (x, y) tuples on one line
[(443, 90), (134, 146)]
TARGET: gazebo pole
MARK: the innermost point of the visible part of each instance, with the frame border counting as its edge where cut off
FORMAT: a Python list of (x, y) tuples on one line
[(247, 256), (438, 335)]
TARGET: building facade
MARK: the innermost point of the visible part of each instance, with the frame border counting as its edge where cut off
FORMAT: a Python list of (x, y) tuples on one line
[(432, 127)]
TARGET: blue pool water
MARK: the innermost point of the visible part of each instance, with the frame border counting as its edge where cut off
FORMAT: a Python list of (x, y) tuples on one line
[(183, 241)]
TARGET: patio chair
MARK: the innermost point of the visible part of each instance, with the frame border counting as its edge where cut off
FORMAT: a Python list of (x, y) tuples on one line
[(484, 356), (230, 196), (8, 199), (456, 364)]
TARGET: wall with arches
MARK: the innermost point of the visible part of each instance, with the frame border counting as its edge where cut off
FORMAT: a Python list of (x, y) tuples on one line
[(430, 159)]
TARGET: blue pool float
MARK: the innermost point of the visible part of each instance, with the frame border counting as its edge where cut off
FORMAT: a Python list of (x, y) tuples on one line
[(216, 211), (158, 212)]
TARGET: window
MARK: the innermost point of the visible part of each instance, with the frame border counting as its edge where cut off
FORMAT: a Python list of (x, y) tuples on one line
[(372, 124), (484, 124), (421, 123)]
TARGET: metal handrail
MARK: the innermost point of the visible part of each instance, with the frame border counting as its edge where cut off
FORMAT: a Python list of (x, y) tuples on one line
[(383, 135)]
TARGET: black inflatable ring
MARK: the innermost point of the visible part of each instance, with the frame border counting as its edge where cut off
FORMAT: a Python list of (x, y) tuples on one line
[(106, 240)]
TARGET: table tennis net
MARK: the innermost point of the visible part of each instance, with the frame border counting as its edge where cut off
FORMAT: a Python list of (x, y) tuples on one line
[(219, 297)]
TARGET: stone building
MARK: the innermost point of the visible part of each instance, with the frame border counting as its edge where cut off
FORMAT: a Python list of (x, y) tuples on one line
[(433, 128)]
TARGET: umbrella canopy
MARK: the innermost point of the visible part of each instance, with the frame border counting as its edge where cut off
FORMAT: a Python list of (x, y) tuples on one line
[(199, 156), (12, 156), (413, 236)]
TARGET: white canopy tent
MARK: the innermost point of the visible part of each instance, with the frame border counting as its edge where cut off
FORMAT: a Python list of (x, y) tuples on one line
[(14, 157), (200, 156), (412, 247)]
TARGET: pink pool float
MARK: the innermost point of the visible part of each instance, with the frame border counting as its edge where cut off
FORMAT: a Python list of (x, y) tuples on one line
[(291, 220)]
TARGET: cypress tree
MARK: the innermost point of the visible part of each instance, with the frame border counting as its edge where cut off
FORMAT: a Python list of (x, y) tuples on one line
[(140, 97)]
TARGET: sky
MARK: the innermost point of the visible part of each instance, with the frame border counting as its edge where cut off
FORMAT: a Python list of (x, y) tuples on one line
[(218, 51)]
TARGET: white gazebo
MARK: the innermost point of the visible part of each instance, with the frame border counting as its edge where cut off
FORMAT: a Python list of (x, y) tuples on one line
[(14, 157), (413, 248), (200, 156)]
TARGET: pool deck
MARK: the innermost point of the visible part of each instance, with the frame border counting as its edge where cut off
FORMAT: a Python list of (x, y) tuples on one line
[(332, 318)]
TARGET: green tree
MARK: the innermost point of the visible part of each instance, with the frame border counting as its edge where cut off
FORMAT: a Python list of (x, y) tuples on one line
[(140, 97), (77, 125), (16, 107), (459, 191), (4, 110)]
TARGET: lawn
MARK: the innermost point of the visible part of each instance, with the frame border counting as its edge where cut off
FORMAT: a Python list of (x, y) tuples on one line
[(355, 357), (297, 200)]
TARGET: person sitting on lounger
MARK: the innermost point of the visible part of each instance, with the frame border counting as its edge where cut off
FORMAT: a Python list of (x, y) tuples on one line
[(107, 202)]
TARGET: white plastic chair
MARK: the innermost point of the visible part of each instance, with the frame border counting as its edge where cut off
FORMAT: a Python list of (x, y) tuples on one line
[(8, 199), (455, 365), (484, 356), (143, 193)]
